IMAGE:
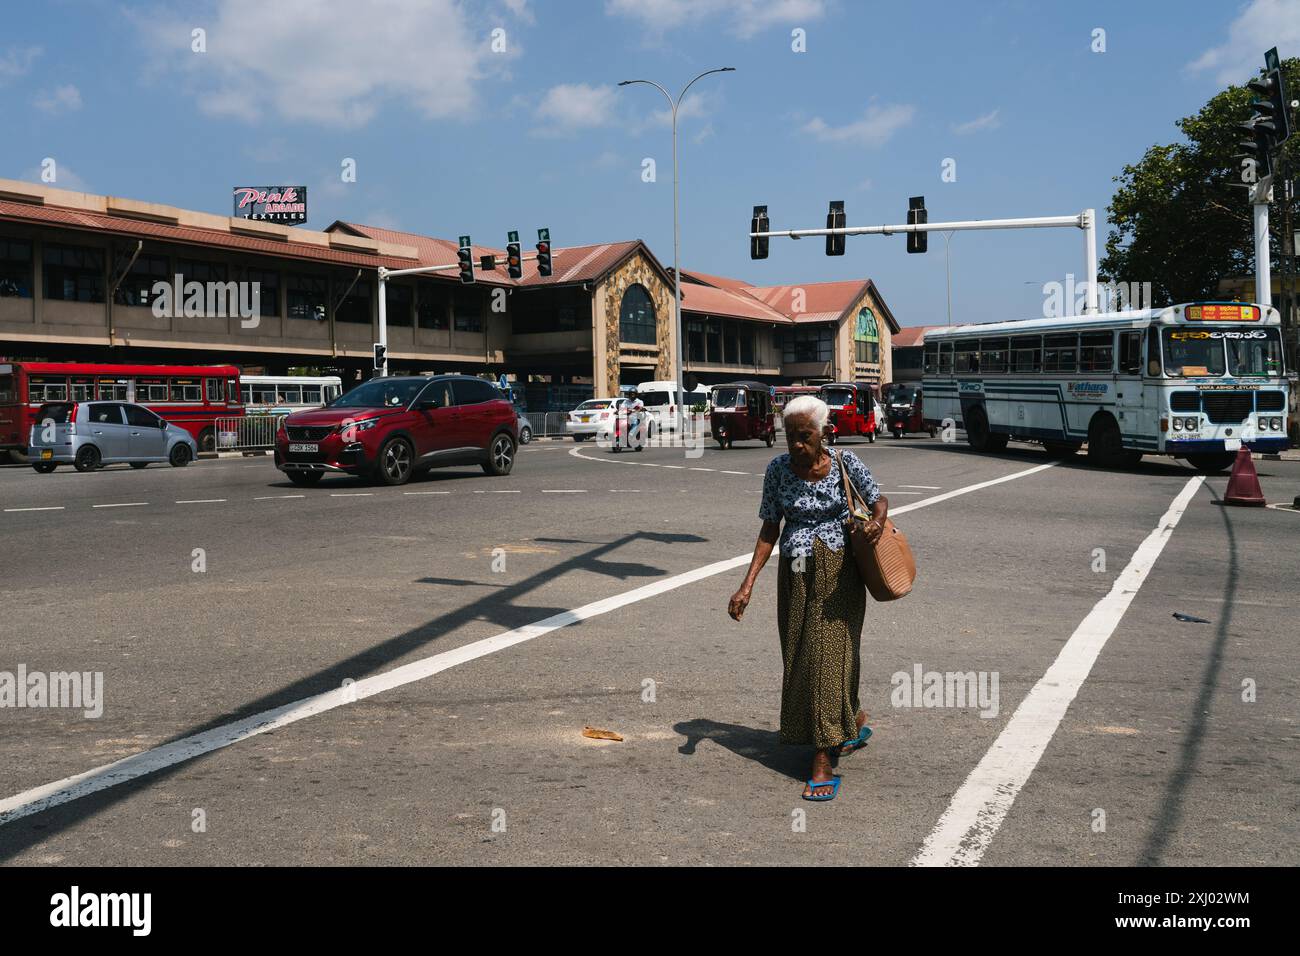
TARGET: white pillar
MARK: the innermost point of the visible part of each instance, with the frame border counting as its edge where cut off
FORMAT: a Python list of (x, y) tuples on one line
[(383, 316), (1263, 273), (1090, 258)]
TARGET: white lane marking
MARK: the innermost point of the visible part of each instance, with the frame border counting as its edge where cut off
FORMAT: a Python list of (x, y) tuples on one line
[(884, 491), (980, 805), (924, 487), (277, 497), (703, 469), (735, 473), (150, 761), (426, 492), (201, 501), (564, 491), (351, 494), (512, 491), (51, 508), (626, 491), (679, 467), (124, 504)]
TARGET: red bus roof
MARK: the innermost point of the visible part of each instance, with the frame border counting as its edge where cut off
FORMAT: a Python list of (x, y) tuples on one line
[(96, 368)]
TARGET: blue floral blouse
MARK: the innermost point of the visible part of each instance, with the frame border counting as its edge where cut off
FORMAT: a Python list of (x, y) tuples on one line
[(812, 508)]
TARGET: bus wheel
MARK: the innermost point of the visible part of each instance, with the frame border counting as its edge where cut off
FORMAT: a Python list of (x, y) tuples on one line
[(1105, 446), (1212, 464), (207, 440), (977, 430), (998, 441)]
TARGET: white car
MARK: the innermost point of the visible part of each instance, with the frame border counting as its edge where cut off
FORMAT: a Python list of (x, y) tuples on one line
[(587, 419)]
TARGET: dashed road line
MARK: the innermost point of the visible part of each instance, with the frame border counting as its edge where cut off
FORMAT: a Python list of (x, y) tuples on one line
[(150, 761), (426, 492), (564, 491), (277, 497), (924, 487), (124, 504), (979, 806), (50, 508), (351, 494), (202, 501)]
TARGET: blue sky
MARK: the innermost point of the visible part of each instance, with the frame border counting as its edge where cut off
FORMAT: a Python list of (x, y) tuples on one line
[(452, 136)]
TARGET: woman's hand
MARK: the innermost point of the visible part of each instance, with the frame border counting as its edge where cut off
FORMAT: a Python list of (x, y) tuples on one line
[(874, 530), (739, 601)]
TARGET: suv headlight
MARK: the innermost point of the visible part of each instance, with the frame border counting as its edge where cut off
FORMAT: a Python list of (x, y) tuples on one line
[(364, 424)]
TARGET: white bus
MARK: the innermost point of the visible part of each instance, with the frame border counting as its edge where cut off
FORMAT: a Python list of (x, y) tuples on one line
[(282, 394), (1189, 381)]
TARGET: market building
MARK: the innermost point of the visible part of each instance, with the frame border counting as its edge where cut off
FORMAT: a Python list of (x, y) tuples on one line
[(102, 278)]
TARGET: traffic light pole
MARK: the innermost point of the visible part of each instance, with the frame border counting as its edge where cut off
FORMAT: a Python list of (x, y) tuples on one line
[(1086, 220), (1260, 194)]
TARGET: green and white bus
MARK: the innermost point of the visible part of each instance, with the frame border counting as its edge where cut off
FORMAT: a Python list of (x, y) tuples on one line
[(1191, 381)]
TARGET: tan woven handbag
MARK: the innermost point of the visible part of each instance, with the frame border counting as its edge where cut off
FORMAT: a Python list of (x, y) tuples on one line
[(887, 567)]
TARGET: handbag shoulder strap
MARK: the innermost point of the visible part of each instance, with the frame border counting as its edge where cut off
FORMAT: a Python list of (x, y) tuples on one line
[(848, 486)]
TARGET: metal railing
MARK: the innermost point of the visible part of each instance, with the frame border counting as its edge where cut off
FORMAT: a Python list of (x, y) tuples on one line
[(247, 432)]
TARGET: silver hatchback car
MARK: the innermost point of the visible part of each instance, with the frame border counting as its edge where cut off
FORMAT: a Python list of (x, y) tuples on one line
[(89, 435)]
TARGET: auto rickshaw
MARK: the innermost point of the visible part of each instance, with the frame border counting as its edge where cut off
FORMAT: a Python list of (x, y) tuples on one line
[(742, 411), (853, 409), (904, 410)]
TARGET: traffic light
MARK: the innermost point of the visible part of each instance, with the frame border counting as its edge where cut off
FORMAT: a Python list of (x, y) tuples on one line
[(543, 252), (1272, 103), (465, 259), (916, 216), (1255, 148), (759, 223), (381, 352), (514, 261), (835, 220)]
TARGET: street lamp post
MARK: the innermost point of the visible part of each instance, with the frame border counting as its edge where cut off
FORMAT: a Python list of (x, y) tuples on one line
[(947, 265), (677, 268)]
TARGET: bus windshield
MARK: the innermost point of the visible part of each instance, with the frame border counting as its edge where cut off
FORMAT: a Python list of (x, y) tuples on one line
[(1193, 352), (381, 393), (1253, 354)]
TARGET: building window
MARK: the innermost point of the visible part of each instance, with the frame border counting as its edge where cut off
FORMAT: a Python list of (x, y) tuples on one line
[(746, 345), (435, 303), (731, 344), (399, 305), (136, 287), (73, 273), (636, 317), (695, 340), (468, 311), (268, 291), (15, 269), (807, 345), (866, 337), (196, 270), (307, 297), (355, 307)]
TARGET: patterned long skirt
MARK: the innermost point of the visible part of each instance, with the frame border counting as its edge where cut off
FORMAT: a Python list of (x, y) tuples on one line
[(819, 614)]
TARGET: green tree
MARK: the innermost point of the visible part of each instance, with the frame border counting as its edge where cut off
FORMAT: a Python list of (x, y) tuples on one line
[(1181, 215)]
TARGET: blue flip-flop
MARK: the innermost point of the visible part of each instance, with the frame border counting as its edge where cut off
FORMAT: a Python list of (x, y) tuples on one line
[(857, 743), (833, 783)]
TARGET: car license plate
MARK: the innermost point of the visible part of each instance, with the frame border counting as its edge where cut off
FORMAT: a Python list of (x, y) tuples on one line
[(307, 447), (1232, 444), (47, 453), (585, 418)]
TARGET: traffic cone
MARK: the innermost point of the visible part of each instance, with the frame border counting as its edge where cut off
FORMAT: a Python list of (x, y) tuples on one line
[(1243, 483)]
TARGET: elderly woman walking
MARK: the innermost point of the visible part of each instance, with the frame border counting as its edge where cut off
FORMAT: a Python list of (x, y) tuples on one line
[(821, 598)]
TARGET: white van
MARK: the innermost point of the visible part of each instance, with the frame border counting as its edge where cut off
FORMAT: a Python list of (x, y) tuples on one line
[(660, 400)]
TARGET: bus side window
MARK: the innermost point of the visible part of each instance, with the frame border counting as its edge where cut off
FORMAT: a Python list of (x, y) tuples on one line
[(945, 358), (931, 364), (1153, 353), (215, 394), (1130, 353)]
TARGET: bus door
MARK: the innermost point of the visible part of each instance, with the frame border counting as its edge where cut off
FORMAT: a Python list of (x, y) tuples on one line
[(1135, 404)]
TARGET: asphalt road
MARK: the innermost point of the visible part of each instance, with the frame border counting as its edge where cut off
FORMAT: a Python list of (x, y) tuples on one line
[(474, 752)]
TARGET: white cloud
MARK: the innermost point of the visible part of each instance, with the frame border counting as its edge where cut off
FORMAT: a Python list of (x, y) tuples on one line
[(1261, 24), (324, 61), (572, 106), (876, 128), (66, 97), (17, 61), (987, 121), (745, 18)]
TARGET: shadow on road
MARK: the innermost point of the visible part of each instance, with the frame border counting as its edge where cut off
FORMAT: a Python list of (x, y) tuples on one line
[(761, 746), (1166, 823), (500, 607)]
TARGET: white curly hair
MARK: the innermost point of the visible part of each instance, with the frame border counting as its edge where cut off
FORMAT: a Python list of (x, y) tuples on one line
[(809, 405)]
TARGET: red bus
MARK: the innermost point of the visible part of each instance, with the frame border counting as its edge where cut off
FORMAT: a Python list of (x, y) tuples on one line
[(191, 396)]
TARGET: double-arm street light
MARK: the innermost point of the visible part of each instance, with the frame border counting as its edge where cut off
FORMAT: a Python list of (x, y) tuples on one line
[(677, 266)]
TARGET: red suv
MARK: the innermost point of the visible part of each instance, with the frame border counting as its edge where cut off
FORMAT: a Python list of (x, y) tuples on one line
[(390, 428)]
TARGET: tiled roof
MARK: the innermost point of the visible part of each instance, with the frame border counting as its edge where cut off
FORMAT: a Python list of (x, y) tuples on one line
[(573, 264), (911, 336), (703, 298), (144, 229), (718, 282)]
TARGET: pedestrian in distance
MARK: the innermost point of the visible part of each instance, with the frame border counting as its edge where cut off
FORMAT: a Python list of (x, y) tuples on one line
[(821, 598)]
